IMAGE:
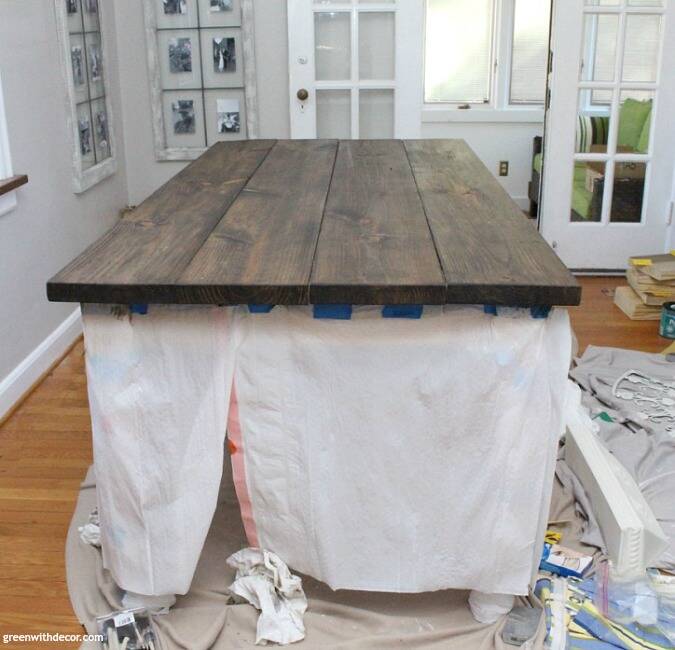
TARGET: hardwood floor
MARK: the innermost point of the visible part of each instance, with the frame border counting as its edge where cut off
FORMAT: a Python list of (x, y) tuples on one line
[(45, 449), (598, 321)]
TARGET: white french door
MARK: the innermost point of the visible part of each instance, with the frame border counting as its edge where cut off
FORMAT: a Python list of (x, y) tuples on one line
[(610, 136), (353, 73)]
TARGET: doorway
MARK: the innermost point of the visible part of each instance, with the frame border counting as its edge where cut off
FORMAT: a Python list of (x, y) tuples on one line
[(609, 141)]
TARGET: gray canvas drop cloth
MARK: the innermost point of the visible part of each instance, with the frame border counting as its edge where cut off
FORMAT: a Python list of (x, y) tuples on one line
[(599, 367), (646, 450), (342, 620)]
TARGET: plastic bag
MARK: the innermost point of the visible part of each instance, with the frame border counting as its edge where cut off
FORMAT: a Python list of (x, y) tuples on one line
[(645, 605)]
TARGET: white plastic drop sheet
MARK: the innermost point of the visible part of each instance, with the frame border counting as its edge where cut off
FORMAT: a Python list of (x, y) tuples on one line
[(374, 454), (159, 387), (401, 455)]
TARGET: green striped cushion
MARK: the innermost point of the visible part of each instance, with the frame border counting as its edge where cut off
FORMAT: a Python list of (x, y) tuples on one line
[(590, 130)]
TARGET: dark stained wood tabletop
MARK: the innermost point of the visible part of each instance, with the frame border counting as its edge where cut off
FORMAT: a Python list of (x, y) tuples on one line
[(324, 221)]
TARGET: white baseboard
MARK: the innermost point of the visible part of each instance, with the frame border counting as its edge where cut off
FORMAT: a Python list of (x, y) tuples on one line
[(20, 380), (523, 202)]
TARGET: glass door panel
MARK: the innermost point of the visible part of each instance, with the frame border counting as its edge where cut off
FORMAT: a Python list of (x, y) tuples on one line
[(346, 88), (609, 146), (620, 49)]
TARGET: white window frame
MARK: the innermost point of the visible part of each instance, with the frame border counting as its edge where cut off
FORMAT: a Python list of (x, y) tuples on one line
[(7, 201), (84, 179), (499, 107)]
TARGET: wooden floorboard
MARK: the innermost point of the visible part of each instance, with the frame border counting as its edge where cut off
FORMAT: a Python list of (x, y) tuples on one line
[(45, 452), (262, 250)]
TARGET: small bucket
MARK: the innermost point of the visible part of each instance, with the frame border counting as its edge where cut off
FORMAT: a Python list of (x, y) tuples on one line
[(667, 327)]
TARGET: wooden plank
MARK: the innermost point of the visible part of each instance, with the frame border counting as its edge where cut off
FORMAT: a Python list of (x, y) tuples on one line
[(489, 252), (141, 257), (262, 250), (375, 246)]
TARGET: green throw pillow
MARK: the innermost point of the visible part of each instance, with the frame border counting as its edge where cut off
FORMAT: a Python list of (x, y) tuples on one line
[(643, 142), (632, 118)]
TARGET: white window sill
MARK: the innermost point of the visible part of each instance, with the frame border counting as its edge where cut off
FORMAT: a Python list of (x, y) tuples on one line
[(7, 202), (447, 113)]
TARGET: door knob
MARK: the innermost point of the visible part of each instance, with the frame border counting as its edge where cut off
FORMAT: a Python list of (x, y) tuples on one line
[(302, 94)]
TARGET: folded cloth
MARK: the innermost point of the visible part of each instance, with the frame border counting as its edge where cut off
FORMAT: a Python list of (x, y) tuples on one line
[(487, 608), (90, 533), (645, 448), (263, 579), (154, 604)]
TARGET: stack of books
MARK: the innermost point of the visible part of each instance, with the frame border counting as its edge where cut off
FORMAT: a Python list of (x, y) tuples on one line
[(651, 280)]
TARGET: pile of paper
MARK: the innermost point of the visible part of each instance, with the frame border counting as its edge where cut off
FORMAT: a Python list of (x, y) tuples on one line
[(651, 281)]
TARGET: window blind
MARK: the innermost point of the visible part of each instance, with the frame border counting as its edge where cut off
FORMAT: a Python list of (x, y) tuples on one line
[(458, 50), (530, 51)]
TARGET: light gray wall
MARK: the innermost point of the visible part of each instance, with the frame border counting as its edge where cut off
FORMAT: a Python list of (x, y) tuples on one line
[(50, 224), (144, 173)]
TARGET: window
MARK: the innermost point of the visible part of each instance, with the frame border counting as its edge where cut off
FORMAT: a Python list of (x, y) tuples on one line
[(7, 201), (489, 52), (459, 40), (529, 58), (642, 38), (5, 162)]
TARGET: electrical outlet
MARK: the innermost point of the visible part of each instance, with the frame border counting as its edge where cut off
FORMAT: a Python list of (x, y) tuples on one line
[(503, 167)]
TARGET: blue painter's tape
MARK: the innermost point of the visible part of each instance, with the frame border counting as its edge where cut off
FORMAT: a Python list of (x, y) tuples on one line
[(490, 309), (540, 311), (259, 309), (138, 308), (336, 312), (402, 311)]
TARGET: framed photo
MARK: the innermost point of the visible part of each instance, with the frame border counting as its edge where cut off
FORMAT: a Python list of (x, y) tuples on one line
[(95, 65), (176, 14), (180, 65), (201, 65), (90, 15), (82, 56), (220, 13), (223, 64), (184, 119), (101, 132), (74, 16), (225, 115), (78, 67), (85, 136)]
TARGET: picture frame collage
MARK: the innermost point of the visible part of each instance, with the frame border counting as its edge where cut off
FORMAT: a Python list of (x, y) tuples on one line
[(198, 74), (87, 68)]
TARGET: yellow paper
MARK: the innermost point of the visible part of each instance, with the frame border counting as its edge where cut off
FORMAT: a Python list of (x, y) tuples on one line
[(552, 537), (641, 261)]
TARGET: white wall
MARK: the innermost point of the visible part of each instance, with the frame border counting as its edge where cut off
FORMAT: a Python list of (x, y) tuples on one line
[(51, 224), (145, 174)]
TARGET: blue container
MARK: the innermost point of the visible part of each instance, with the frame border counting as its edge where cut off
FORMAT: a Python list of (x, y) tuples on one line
[(667, 328)]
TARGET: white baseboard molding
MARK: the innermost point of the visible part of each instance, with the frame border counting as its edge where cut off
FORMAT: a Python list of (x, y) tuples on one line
[(15, 385), (633, 536), (523, 202)]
